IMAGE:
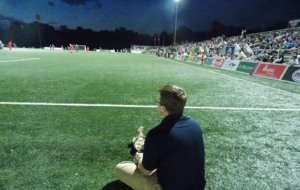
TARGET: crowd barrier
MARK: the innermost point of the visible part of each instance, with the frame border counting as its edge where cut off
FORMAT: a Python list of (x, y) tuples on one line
[(268, 70)]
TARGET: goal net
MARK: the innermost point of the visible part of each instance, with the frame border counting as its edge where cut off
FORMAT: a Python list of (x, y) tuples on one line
[(80, 47)]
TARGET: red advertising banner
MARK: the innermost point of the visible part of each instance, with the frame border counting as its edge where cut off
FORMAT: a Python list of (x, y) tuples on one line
[(270, 70), (219, 62)]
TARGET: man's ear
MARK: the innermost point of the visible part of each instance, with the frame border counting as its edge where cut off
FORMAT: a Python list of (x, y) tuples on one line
[(165, 111)]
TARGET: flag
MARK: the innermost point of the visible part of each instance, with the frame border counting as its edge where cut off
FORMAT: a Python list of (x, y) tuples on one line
[(229, 50)]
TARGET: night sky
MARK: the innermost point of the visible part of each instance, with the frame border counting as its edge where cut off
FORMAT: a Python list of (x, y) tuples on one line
[(149, 16)]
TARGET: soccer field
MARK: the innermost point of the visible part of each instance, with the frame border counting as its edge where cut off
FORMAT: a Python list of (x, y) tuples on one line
[(66, 119)]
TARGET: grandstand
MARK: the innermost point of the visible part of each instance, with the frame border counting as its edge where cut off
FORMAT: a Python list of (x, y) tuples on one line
[(265, 49), (294, 23), (256, 43)]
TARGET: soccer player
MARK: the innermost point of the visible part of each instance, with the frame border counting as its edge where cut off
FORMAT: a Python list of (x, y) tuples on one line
[(76, 48), (9, 45), (1, 45), (71, 48), (203, 57)]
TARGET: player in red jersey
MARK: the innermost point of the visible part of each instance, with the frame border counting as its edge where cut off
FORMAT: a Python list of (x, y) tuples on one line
[(71, 48), (9, 45)]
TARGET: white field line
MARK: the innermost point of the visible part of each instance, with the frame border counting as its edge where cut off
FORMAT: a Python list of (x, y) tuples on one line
[(21, 57), (19, 60), (143, 106), (178, 61)]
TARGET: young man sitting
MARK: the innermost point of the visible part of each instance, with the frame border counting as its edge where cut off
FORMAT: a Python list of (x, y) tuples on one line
[(173, 151)]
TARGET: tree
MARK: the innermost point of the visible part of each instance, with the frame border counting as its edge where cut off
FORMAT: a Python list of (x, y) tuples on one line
[(166, 38), (63, 27), (217, 28), (184, 34), (278, 25)]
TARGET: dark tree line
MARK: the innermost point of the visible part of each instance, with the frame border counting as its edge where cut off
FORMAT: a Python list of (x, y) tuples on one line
[(37, 34), (27, 35)]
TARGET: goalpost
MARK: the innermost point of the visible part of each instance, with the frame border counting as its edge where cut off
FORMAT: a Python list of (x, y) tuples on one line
[(80, 47)]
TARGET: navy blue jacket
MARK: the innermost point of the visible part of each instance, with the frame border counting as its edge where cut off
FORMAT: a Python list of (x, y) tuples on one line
[(175, 148)]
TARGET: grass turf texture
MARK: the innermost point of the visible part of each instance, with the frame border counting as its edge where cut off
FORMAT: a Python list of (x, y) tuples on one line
[(52, 147)]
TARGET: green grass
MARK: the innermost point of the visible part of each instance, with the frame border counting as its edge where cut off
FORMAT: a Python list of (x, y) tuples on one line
[(61, 147)]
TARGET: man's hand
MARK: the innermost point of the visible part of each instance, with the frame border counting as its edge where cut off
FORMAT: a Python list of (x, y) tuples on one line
[(138, 155), (139, 158)]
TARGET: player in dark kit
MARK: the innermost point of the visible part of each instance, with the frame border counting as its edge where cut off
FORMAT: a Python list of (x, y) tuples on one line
[(1, 45)]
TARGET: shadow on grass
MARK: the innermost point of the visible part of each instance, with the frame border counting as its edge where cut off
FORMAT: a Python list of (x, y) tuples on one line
[(116, 185)]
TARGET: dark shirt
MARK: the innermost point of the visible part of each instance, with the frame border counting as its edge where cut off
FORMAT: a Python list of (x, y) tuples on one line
[(282, 59), (175, 147), (265, 59), (272, 59)]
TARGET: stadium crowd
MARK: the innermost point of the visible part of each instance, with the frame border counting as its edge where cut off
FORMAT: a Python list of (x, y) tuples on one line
[(274, 47)]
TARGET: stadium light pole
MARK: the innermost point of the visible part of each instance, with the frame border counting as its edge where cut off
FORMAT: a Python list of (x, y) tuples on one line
[(176, 21), (38, 18)]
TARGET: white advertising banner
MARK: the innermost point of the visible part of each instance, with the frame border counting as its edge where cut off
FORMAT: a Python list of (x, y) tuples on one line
[(231, 64)]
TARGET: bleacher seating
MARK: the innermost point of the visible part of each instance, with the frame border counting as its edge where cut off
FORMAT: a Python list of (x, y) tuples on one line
[(255, 45)]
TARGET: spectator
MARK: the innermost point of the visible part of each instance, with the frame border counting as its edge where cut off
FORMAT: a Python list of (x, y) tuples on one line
[(265, 58), (293, 43), (173, 153), (272, 58), (217, 55), (286, 44), (232, 57), (250, 57), (280, 58), (278, 37), (242, 45), (240, 55), (244, 34), (293, 61), (263, 45)]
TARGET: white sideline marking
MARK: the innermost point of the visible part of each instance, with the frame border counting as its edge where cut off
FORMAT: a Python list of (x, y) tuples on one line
[(142, 106), (232, 77), (19, 60)]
